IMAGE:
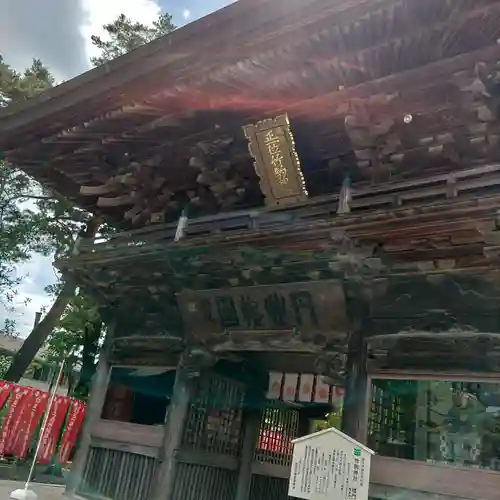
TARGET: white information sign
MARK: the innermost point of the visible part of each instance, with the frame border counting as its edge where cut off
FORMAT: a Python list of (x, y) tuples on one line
[(329, 465)]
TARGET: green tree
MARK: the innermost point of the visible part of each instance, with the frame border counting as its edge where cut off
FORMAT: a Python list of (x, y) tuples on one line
[(52, 224), (77, 338), (21, 232), (16, 87), (124, 35), (32, 219), (4, 363), (66, 292), (332, 419)]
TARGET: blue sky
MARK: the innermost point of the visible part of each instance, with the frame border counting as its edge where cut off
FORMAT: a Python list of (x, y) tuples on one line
[(58, 32)]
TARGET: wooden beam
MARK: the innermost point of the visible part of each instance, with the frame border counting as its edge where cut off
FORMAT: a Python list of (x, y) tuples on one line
[(137, 449), (97, 397), (322, 105), (164, 483), (442, 481), (411, 220), (262, 340), (117, 201), (149, 436), (355, 410), (251, 427), (205, 459), (436, 336), (112, 185), (451, 376), (271, 470)]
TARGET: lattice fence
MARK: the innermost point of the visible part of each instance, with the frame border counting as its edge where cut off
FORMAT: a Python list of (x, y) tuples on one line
[(268, 488), (117, 474), (199, 482)]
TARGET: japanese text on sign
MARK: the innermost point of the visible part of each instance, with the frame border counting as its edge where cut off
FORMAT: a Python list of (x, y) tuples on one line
[(272, 142), (276, 161), (277, 310), (328, 465), (312, 307)]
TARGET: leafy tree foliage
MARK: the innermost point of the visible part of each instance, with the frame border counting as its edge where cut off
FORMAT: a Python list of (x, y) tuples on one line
[(34, 220), (124, 35), (77, 338), (332, 419), (43, 329), (16, 87), (22, 228), (4, 363)]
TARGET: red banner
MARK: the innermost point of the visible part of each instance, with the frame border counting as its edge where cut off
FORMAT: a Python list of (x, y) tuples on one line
[(33, 411), (73, 424), (5, 388), (12, 420), (51, 434), (18, 421)]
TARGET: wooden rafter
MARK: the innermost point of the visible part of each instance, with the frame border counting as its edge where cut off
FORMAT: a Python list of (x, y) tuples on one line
[(368, 65)]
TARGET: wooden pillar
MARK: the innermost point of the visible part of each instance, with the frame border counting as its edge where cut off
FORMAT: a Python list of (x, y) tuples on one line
[(304, 424), (250, 435), (164, 483), (355, 410), (93, 414)]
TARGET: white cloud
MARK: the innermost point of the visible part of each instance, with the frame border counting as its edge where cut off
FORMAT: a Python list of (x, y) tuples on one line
[(58, 31), (31, 298), (48, 30), (100, 12), (186, 14)]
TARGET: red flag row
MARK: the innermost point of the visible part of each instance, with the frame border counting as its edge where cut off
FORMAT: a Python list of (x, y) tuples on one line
[(24, 412)]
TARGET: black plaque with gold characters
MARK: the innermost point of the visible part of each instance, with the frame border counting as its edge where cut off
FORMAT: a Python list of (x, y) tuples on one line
[(309, 308)]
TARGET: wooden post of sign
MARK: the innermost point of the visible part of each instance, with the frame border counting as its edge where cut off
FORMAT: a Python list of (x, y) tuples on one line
[(178, 410), (92, 415), (251, 426), (355, 411)]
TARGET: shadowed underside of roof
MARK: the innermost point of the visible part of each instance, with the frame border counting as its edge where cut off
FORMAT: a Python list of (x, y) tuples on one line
[(161, 127)]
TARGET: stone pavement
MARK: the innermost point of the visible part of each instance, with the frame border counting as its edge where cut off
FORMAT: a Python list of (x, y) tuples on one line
[(44, 491)]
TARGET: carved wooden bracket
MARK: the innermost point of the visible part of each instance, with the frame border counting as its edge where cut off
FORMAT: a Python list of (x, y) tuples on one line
[(369, 124), (332, 365), (196, 359)]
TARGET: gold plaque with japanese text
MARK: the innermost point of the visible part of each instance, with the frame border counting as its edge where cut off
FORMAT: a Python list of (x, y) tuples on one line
[(276, 162)]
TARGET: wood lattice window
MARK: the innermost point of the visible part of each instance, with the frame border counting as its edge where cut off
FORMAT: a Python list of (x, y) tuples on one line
[(437, 420), (279, 427), (391, 423), (214, 420)]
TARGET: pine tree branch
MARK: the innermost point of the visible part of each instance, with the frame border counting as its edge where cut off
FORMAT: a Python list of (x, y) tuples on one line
[(25, 197)]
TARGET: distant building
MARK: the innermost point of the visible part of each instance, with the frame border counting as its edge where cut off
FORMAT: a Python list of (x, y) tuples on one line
[(40, 374)]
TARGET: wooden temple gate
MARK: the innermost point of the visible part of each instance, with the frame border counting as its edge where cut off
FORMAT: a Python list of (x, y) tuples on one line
[(351, 235), (225, 448)]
